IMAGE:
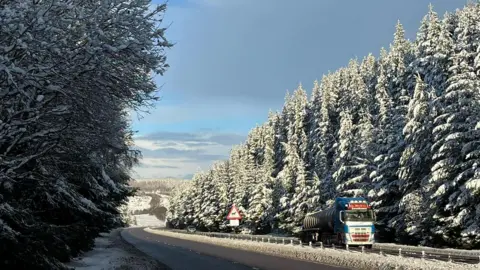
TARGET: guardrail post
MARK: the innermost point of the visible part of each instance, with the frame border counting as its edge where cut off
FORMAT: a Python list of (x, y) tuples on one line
[(400, 252), (363, 249), (423, 255), (291, 242), (449, 257), (262, 239), (381, 252), (283, 241), (346, 246), (333, 246), (321, 245), (310, 243)]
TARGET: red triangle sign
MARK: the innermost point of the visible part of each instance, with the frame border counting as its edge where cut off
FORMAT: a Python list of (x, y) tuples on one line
[(234, 213)]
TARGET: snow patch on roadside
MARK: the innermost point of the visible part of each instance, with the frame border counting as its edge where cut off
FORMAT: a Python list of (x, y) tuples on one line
[(138, 203), (111, 253), (326, 256), (461, 252), (146, 220)]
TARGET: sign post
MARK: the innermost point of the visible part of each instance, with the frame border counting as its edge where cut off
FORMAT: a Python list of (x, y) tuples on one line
[(234, 216)]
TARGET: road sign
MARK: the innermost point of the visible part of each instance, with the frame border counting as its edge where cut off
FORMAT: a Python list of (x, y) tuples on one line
[(234, 222), (234, 214)]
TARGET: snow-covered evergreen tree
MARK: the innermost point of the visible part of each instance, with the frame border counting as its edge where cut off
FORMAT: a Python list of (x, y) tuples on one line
[(364, 154), (317, 155), (384, 190), (415, 164), (223, 186), (261, 209), (70, 72), (326, 137), (453, 191), (343, 158), (294, 202), (393, 93), (296, 179), (197, 200), (434, 46), (368, 71)]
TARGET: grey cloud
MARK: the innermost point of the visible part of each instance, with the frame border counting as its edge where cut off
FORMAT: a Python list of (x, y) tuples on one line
[(195, 139), (180, 176), (169, 152), (166, 144), (187, 143), (196, 155), (143, 165), (172, 136), (227, 139)]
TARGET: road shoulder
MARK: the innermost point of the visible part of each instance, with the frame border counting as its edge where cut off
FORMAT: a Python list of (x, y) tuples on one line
[(111, 251)]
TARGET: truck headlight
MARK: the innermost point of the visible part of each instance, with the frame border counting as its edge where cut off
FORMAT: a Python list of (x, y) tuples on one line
[(347, 237)]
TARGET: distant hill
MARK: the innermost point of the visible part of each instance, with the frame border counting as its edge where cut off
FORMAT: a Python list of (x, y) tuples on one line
[(165, 186), (151, 201)]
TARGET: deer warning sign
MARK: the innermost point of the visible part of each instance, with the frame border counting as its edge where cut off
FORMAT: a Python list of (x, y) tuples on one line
[(234, 214)]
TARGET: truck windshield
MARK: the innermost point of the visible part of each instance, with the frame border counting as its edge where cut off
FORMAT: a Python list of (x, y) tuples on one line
[(356, 215)]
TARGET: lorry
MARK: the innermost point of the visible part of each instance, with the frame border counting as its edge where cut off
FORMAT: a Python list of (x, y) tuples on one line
[(349, 221)]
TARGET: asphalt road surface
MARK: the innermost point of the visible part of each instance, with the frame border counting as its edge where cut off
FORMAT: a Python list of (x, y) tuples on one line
[(179, 254)]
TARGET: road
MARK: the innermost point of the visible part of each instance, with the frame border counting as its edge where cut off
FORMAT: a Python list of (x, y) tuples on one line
[(179, 254)]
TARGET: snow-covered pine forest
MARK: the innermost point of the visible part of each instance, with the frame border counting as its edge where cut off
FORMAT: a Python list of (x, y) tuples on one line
[(70, 73), (401, 129)]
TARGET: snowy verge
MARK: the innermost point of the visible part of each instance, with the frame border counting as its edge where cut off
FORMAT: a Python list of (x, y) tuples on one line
[(385, 246), (342, 258), (147, 220), (444, 251), (138, 203), (111, 252)]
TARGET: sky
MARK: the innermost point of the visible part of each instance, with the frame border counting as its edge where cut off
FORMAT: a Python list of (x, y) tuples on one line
[(234, 60)]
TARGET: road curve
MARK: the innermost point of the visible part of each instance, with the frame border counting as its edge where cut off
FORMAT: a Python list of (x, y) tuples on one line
[(179, 254)]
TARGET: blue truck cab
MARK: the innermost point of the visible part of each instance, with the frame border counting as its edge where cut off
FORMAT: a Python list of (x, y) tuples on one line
[(349, 221)]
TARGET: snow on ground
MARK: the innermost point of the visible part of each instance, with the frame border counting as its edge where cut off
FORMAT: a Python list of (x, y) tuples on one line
[(146, 220), (157, 192), (452, 251), (283, 235), (342, 258), (165, 201), (111, 252), (138, 203)]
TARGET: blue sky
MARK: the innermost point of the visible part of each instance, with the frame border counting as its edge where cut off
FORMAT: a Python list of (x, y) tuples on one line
[(234, 60)]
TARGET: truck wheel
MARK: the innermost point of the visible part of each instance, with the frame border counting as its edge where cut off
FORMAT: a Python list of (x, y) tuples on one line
[(368, 246), (303, 237)]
